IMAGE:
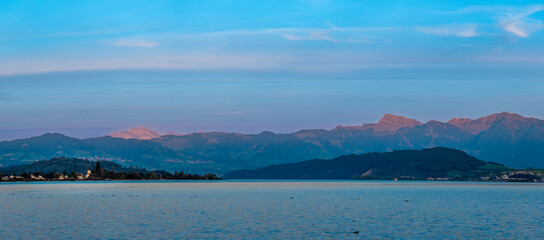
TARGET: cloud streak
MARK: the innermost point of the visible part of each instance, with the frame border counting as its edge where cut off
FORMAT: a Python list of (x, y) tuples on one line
[(310, 36), (332, 34), (136, 43), (464, 30), (224, 113), (513, 20), (519, 23)]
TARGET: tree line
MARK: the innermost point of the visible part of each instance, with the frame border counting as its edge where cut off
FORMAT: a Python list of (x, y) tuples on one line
[(100, 173)]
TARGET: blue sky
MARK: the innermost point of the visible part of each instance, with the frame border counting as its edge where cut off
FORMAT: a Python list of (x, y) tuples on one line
[(85, 68)]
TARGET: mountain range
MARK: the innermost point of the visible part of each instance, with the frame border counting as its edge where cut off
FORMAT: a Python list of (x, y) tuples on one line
[(506, 138)]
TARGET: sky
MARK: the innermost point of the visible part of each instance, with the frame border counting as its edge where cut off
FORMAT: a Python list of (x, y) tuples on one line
[(87, 68)]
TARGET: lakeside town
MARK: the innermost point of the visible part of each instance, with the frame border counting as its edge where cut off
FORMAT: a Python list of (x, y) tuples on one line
[(111, 171), (99, 174), (515, 176), (73, 176)]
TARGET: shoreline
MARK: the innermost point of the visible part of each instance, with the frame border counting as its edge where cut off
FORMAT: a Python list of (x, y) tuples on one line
[(265, 180)]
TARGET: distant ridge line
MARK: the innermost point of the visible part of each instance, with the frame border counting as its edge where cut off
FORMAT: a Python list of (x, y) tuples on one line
[(388, 123)]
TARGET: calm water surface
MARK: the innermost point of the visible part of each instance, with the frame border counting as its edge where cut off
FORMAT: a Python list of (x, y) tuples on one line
[(271, 210)]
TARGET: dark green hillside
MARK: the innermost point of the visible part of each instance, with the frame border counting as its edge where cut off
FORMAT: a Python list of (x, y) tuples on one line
[(65, 164), (408, 164), (62, 168)]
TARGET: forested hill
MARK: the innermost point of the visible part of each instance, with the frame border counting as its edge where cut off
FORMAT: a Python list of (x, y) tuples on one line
[(406, 164), (62, 164), (72, 169)]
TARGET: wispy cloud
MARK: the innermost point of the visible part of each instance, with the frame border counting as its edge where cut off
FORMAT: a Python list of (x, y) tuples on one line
[(310, 36), (223, 113), (514, 20), (193, 61), (463, 30), (135, 43), (519, 23), (522, 29), (332, 34)]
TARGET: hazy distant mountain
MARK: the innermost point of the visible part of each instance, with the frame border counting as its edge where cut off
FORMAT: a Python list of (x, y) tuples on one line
[(136, 133), (124, 151), (409, 164), (46, 146), (507, 138)]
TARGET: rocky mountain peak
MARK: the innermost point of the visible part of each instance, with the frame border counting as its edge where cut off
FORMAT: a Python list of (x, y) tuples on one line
[(476, 126), (391, 123)]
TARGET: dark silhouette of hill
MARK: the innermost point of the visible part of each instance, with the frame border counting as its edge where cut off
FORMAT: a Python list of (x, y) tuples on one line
[(62, 164), (405, 164), (63, 168)]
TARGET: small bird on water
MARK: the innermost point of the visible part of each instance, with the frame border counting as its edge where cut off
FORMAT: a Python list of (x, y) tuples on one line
[(356, 232)]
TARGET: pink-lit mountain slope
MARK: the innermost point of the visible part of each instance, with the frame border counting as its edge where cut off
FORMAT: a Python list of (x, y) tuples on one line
[(136, 133)]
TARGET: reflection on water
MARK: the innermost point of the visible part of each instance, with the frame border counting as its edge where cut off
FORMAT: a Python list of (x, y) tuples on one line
[(271, 210)]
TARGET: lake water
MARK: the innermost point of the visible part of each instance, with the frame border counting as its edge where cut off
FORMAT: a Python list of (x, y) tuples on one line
[(271, 210)]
